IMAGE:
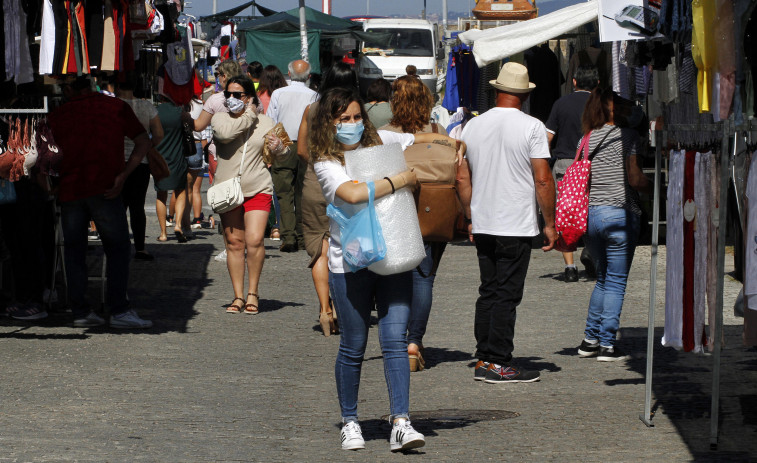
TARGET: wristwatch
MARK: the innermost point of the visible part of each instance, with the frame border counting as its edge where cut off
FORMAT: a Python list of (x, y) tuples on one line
[(467, 221)]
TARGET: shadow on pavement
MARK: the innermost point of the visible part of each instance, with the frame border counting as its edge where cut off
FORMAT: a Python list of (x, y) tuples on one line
[(436, 355), (682, 388)]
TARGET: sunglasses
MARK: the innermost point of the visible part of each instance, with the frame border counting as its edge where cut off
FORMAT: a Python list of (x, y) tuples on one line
[(237, 95)]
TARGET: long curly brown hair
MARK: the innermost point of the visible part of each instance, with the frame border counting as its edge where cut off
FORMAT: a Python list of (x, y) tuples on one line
[(411, 104), (322, 142)]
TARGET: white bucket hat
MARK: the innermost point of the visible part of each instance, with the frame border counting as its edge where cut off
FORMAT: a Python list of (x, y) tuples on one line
[(513, 78)]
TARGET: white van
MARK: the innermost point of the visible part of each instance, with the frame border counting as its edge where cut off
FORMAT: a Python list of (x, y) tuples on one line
[(413, 41)]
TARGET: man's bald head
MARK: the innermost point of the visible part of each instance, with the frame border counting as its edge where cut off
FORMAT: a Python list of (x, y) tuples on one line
[(299, 70)]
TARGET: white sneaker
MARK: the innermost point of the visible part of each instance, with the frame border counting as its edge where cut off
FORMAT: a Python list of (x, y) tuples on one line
[(92, 319), (352, 436), (221, 257), (404, 437), (128, 320)]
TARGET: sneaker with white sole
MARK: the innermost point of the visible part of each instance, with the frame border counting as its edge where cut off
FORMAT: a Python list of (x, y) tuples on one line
[(588, 348), (221, 257), (611, 354), (129, 320), (91, 320), (404, 437), (352, 436)]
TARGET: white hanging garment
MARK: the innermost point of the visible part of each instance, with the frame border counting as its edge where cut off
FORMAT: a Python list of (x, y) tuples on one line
[(674, 246), (47, 39)]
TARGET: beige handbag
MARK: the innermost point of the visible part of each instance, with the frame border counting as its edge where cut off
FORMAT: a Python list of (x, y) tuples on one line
[(227, 195)]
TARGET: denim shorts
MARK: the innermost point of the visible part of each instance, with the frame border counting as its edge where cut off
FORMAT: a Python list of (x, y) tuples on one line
[(195, 161)]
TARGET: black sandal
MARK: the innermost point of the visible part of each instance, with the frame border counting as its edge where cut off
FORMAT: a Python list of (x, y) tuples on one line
[(251, 309), (231, 308)]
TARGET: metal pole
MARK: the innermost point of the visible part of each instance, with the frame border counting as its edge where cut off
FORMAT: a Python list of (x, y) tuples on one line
[(444, 17), (725, 174), (423, 15), (215, 6), (367, 7), (303, 32), (646, 417)]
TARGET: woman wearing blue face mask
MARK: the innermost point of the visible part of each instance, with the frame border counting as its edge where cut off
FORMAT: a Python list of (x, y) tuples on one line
[(239, 136), (340, 124)]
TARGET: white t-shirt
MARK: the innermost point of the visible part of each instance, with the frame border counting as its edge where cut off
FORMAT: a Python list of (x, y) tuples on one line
[(331, 175), (501, 143)]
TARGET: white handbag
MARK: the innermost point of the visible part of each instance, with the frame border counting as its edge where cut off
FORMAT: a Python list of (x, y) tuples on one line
[(227, 195)]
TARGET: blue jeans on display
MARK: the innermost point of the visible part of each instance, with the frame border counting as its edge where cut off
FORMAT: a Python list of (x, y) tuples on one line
[(420, 309), (355, 295), (503, 263), (612, 234), (109, 216)]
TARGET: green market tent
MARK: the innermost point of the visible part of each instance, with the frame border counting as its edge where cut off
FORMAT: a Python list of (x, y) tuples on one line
[(275, 39)]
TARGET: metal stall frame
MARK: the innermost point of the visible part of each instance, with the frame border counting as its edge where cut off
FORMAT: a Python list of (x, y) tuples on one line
[(726, 127)]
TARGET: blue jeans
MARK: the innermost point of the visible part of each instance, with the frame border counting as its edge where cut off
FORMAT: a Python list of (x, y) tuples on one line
[(355, 295), (109, 216), (612, 234), (423, 285)]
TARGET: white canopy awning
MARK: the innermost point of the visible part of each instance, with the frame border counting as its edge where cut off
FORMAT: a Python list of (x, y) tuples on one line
[(500, 42)]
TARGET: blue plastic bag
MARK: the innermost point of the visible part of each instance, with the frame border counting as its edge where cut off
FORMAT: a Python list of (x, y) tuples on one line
[(362, 240), (7, 192)]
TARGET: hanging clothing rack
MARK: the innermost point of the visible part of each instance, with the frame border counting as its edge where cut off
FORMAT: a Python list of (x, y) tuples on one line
[(727, 129), (43, 110)]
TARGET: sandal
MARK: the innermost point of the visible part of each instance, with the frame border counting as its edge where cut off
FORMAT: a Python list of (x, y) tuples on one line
[(232, 308), (417, 363), (251, 309)]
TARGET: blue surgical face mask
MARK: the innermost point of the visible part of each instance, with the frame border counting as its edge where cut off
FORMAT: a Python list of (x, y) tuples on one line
[(349, 134)]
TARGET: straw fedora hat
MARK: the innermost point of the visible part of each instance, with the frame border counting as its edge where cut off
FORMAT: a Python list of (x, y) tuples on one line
[(513, 78)]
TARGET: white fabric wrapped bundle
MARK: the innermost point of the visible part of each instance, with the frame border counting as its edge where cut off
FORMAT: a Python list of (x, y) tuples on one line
[(396, 213)]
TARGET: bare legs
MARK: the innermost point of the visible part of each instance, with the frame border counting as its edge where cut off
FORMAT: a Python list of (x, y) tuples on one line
[(320, 272), (178, 202), (244, 232)]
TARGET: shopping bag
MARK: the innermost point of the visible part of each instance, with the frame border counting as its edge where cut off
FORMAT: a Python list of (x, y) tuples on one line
[(361, 237)]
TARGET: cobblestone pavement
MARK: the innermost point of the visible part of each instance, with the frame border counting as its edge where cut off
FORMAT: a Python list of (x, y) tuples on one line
[(203, 385)]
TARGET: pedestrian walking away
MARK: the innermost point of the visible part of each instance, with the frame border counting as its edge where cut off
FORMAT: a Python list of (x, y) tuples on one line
[(614, 221), (508, 160), (564, 130)]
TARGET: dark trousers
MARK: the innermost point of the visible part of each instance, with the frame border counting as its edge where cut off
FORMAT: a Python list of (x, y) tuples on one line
[(133, 194), (288, 175), (503, 262), (109, 216)]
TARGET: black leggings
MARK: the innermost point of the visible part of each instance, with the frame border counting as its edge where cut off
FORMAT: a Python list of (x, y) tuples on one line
[(133, 194)]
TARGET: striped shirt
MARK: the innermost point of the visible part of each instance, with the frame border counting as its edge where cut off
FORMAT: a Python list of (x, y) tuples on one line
[(609, 182)]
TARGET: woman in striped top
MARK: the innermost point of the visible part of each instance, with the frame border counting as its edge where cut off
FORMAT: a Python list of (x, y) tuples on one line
[(614, 220)]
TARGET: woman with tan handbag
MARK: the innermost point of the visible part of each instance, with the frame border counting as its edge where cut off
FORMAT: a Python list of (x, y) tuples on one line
[(411, 107), (240, 135)]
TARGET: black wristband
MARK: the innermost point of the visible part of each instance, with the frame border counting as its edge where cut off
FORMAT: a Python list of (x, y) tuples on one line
[(390, 183), (467, 220)]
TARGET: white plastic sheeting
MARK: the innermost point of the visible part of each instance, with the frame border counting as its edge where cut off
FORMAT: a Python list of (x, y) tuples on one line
[(396, 212), (492, 45)]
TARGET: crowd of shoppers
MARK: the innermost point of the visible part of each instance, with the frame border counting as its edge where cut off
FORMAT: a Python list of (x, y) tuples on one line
[(505, 182)]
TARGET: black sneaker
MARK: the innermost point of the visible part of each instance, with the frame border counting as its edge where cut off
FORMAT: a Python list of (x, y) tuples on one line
[(591, 271), (611, 354), (509, 374), (571, 274), (479, 374), (588, 349)]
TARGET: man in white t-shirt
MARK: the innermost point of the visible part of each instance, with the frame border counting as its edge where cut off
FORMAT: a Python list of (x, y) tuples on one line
[(508, 160), (287, 106)]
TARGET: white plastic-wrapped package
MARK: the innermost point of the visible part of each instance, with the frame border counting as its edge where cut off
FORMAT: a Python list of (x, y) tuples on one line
[(396, 213)]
